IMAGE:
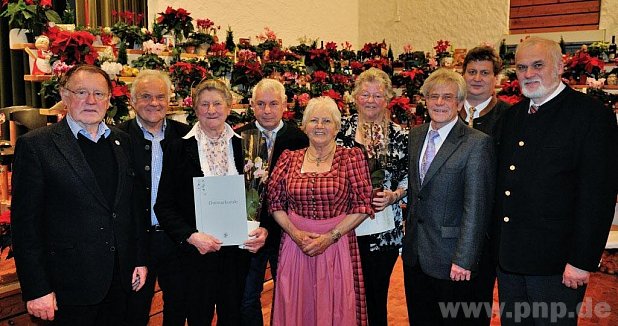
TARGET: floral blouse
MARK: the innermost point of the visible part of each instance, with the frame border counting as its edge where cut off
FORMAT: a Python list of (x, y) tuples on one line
[(396, 175)]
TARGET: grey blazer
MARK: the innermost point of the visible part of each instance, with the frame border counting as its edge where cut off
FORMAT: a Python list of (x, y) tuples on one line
[(449, 213)]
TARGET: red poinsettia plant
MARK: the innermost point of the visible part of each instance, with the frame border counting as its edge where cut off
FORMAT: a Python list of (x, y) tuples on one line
[(72, 47), (119, 102), (185, 74), (400, 109), (127, 26), (33, 15), (337, 97), (510, 92), (178, 21)]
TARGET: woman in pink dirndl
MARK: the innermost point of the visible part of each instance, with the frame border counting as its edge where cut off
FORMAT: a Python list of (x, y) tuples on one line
[(319, 195)]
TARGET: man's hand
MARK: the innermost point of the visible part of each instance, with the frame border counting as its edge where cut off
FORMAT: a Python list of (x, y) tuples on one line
[(257, 240), (459, 274), (139, 277), (43, 307), (574, 277), (204, 243)]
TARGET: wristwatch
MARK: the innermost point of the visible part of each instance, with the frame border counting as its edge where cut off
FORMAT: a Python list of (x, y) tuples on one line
[(335, 235)]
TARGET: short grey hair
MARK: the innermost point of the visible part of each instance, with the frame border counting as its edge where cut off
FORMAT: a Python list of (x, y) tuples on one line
[(268, 84), (150, 74), (326, 103), (445, 76), (372, 75), (552, 47), (213, 85)]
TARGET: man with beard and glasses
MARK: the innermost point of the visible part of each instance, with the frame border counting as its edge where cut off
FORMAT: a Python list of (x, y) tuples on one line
[(556, 190)]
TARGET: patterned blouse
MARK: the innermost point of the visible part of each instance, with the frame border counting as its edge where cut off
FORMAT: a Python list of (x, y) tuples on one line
[(396, 175), (346, 188)]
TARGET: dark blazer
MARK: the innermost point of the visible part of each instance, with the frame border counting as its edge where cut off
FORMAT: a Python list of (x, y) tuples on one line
[(557, 182), (450, 211), (175, 207), (65, 233), (142, 150), (289, 137)]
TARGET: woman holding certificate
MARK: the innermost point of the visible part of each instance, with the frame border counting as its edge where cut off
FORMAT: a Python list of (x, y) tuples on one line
[(385, 144), (215, 273), (319, 195)]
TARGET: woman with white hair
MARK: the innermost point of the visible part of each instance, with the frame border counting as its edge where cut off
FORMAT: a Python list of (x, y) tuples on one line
[(319, 195)]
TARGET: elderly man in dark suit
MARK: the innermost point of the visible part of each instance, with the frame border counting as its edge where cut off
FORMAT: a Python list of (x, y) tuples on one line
[(556, 191), (150, 131), (450, 191), (76, 241), (268, 103)]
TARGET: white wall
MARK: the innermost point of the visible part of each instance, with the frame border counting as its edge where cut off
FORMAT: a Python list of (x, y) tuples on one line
[(328, 20), (465, 23), (421, 23)]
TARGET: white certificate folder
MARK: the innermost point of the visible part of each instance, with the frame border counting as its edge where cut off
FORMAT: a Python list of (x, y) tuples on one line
[(220, 208)]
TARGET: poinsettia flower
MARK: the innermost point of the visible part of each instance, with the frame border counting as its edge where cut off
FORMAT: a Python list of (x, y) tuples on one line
[(331, 46), (288, 115), (319, 76), (45, 3), (302, 99), (29, 2), (119, 89), (335, 96)]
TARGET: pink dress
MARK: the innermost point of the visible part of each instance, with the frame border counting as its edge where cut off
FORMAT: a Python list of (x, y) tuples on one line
[(326, 289)]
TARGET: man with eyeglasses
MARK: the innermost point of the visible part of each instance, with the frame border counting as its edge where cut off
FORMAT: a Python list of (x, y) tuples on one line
[(556, 191), (450, 192), (149, 132), (268, 103), (77, 244)]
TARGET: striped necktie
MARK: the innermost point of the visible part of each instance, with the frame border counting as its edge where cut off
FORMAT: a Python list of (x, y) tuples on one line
[(471, 117), (533, 109)]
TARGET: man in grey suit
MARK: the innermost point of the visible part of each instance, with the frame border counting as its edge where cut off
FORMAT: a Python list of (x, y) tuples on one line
[(450, 192)]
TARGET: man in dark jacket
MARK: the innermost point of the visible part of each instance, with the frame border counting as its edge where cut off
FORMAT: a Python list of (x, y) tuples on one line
[(149, 133), (268, 103), (76, 242), (556, 191)]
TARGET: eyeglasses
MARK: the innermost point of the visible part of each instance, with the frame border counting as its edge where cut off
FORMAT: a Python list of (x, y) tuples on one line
[(148, 98), (536, 67), (83, 94), (376, 97), (445, 97)]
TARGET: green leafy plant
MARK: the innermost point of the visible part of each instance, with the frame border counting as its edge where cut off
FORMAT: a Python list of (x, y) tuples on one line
[(32, 15)]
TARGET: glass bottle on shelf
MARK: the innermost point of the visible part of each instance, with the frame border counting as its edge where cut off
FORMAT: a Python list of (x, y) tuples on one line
[(611, 51)]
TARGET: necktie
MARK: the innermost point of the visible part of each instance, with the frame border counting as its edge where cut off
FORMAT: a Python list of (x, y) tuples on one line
[(268, 136), (533, 109), (430, 153), (471, 117)]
